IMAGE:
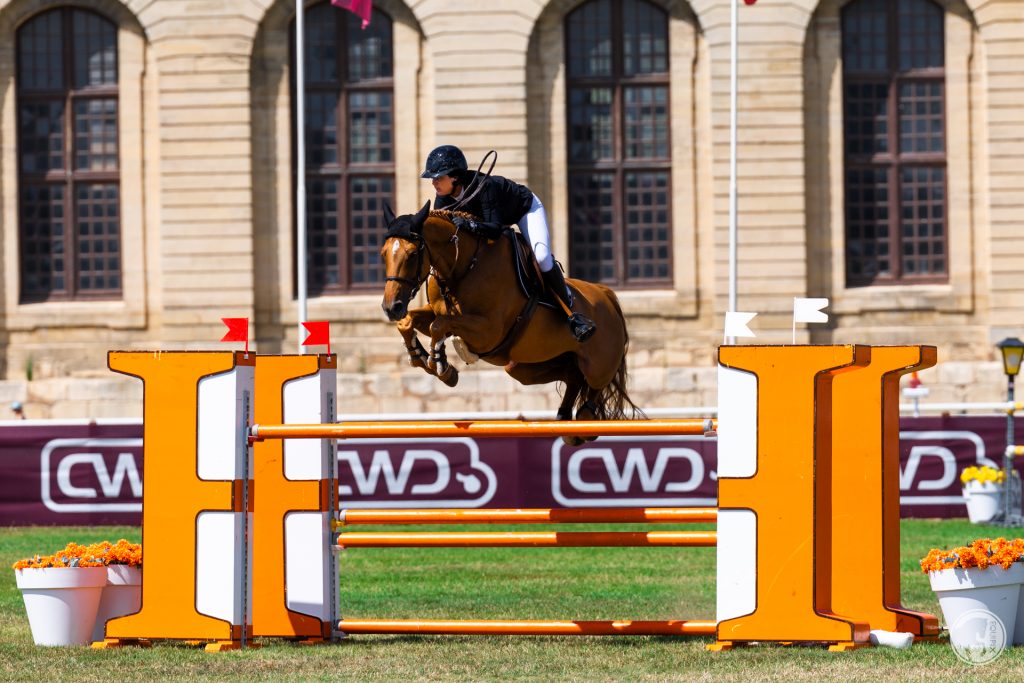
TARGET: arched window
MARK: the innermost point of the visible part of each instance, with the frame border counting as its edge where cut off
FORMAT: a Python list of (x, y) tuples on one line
[(620, 199), (350, 169), (68, 170), (895, 142)]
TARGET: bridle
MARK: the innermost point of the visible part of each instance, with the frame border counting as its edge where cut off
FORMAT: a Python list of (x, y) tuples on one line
[(421, 247)]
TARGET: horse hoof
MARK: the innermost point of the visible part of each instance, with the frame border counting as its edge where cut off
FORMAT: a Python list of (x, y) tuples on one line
[(573, 440), (451, 377)]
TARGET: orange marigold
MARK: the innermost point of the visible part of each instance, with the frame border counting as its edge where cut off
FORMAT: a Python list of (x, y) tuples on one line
[(94, 555), (981, 553)]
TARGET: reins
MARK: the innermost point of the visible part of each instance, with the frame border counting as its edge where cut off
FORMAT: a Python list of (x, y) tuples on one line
[(477, 180)]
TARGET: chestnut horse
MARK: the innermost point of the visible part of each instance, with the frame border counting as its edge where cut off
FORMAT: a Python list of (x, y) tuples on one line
[(473, 293)]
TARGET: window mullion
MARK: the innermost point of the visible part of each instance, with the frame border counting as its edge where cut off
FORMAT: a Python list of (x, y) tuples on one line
[(895, 167), (341, 125), (619, 146), (70, 218)]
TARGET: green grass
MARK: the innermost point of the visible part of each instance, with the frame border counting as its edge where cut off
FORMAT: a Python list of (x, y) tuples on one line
[(576, 583)]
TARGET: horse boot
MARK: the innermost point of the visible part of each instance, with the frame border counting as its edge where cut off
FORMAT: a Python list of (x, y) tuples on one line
[(582, 327)]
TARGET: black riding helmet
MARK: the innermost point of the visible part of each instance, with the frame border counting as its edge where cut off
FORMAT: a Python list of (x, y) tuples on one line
[(445, 160)]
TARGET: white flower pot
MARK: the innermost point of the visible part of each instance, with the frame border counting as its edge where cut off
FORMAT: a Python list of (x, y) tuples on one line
[(994, 589), (1018, 631), (61, 602), (984, 500), (122, 595)]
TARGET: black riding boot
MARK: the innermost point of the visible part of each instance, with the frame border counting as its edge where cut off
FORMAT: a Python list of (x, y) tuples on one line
[(583, 328)]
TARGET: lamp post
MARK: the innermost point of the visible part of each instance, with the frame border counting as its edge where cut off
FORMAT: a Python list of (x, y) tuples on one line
[(1013, 352)]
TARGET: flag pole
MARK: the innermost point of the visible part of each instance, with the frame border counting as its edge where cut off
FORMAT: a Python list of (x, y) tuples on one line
[(733, 61), (300, 166)]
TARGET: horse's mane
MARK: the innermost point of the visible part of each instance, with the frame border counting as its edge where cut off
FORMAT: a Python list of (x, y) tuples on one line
[(447, 215)]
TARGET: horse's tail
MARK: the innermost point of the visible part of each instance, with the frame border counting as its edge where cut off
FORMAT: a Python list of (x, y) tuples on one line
[(613, 400)]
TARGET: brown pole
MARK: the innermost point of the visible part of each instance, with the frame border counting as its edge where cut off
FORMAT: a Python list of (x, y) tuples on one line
[(533, 539), (530, 627), (527, 516), (485, 428)]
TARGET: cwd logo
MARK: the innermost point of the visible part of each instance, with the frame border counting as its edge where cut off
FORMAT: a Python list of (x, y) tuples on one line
[(395, 473), (91, 475), (633, 471), (929, 476)]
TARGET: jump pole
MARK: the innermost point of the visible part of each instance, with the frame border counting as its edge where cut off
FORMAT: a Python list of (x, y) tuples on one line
[(486, 428), (528, 627), (526, 516), (528, 539)]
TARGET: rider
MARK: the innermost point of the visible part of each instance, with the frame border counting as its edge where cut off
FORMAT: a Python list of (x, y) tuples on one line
[(503, 202)]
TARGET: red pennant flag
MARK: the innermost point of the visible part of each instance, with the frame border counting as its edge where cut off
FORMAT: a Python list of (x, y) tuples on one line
[(319, 334), (750, 2), (361, 8), (238, 330)]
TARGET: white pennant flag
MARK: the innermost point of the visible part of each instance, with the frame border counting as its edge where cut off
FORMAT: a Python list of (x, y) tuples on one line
[(809, 310), (736, 324)]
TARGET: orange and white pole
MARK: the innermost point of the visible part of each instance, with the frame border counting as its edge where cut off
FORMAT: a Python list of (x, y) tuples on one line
[(527, 539), (529, 627), (485, 428), (528, 516)]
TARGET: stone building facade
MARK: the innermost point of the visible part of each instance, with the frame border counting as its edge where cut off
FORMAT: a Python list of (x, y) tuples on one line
[(880, 151)]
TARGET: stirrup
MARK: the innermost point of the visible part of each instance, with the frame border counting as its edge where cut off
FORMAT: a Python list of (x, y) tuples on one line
[(583, 328)]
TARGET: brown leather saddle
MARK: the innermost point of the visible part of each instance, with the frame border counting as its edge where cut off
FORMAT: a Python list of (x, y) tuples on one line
[(527, 270), (530, 282)]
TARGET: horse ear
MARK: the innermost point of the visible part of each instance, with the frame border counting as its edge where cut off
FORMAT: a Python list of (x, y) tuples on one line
[(423, 213), (389, 215)]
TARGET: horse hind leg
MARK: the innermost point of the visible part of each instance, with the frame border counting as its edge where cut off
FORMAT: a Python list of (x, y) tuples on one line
[(589, 409), (573, 387)]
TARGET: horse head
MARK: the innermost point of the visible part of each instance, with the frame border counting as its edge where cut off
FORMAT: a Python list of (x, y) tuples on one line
[(406, 259)]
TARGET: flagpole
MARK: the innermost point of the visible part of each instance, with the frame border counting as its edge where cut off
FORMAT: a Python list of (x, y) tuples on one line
[(300, 166), (733, 61)]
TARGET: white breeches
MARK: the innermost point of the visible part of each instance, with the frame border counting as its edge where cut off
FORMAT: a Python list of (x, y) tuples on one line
[(534, 226)]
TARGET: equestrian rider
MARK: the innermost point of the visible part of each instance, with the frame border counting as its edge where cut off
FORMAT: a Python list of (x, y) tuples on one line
[(501, 201)]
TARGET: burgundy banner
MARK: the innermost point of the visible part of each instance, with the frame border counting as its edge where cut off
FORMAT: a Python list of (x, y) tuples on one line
[(78, 473), (71, 473)]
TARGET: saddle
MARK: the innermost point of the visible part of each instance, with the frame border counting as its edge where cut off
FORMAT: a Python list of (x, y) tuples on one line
[(531, 284), (528, 274)]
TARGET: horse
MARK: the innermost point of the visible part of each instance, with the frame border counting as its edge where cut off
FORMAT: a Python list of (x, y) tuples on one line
[(473, 293)]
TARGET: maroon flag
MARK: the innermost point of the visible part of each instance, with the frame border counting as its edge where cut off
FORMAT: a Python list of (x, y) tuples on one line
[(238, 330), (319, 334), (361, 8), (750, 2)]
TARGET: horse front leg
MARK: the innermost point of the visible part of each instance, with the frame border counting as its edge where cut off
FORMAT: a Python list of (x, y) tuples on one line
[(438, 361), (418, 319)]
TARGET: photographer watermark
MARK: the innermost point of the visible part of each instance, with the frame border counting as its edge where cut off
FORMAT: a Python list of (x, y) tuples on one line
[(978, 637)]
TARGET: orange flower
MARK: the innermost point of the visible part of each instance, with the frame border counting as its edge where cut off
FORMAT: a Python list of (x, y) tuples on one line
[(981, 553), (95, 555)]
